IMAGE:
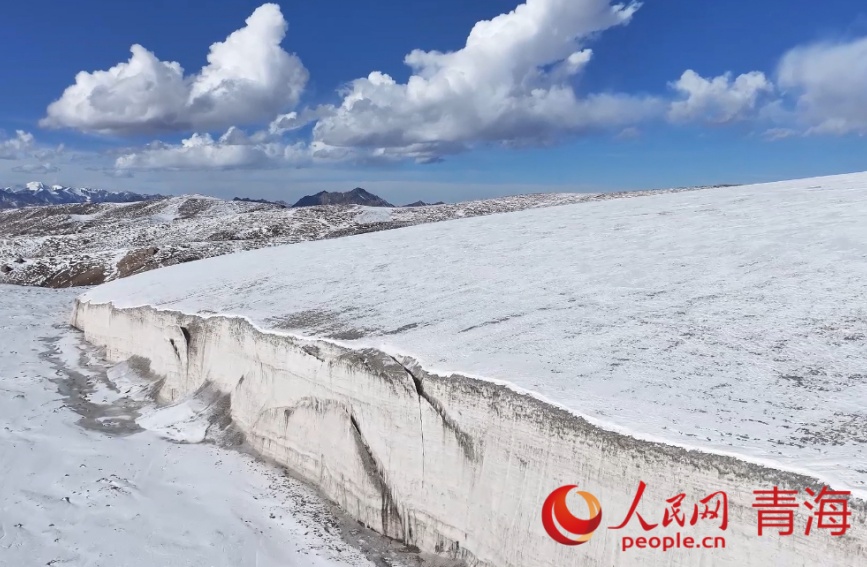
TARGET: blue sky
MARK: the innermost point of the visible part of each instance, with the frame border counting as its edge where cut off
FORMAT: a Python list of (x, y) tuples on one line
[(557, 95)]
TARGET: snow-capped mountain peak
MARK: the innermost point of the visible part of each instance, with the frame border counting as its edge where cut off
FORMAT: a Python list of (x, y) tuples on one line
[(36, 193)]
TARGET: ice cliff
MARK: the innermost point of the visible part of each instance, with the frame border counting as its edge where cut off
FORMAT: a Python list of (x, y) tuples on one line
[(452, 465)]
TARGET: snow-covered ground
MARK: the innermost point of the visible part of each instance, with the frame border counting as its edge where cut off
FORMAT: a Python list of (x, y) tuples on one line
[(83, 484), (731, 319)]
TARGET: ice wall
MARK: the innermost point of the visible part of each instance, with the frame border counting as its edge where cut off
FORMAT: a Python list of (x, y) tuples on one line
[(451, 465)]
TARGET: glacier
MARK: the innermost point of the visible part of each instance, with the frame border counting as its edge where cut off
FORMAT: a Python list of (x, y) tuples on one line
[(438, 381)]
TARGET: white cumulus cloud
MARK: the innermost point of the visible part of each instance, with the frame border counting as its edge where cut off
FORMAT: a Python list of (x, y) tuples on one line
[(261, 150), (718, 99), (36, 168), (14, 148), (511, 83), (515, 82), (830, 83), (248, 78), (775, 134), (232, 150)]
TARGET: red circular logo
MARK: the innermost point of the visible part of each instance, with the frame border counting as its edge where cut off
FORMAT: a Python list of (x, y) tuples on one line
[(562, 525)]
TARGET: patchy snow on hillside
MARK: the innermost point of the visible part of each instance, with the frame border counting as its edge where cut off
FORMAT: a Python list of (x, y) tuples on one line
[(731, 320), (88, 244), (86, 484)]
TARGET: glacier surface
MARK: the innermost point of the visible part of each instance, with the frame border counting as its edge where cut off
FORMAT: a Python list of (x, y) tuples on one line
[(732, 319)]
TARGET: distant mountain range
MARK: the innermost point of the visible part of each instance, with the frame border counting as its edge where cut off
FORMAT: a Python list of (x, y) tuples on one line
[(357, 196), (39, 194), (282, 204), (423, 204)]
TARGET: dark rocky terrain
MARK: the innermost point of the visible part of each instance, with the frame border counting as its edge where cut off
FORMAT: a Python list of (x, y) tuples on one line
[(282, 204), (423, 204), (357, 196)]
